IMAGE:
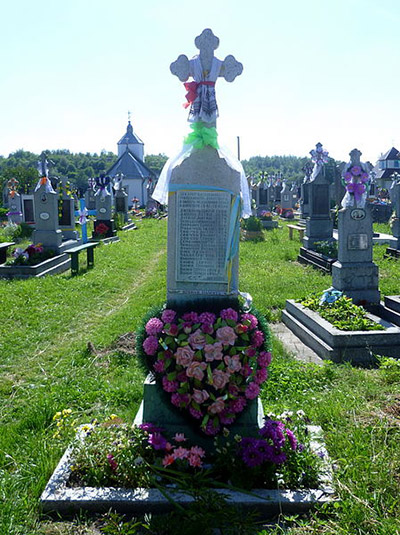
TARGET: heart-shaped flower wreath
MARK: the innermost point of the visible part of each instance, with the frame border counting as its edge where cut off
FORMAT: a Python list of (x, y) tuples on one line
[(210, 364)]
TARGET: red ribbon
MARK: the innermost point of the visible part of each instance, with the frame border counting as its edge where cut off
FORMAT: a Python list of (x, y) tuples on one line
[(191, 88)]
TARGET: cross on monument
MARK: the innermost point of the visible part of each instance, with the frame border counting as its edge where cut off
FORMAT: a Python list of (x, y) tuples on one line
[(204, 68), (355, 155)]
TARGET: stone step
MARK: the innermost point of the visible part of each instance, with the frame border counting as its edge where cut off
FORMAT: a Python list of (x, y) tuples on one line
[(392, 302)]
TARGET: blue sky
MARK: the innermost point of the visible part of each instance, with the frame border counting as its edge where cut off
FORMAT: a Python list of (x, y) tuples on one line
[(313, 71)]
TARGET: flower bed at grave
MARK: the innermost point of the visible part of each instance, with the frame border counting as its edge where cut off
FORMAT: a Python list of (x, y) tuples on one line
[(117, 454), (210, 365), (30, 256), (340, 311)]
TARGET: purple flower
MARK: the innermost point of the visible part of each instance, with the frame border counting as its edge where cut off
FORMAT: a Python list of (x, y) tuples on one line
[(211, 429), (112, 462), (191, 317), (207, 328), (252, 457), (159, 366), (154, 326), (149, 427), (195, 413), (237, 405), (257, 339), (274, 430), (226, 418), (261, 376), (180, 400), (348, 176), (229, 314), (355, 170), (150, 345), (168, 315), (169, 386), (292, 439), (157, 441), (252, 391), (264, 358), (207, 317), (249, 319)]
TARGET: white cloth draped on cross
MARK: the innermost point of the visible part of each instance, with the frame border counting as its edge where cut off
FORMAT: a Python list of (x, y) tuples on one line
[(205, 69)]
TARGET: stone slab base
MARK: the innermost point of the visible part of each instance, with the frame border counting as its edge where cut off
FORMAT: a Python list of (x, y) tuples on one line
[(357, 347), (394, 253), (59, 498), (54, 265), (129, 226), (316, 260)]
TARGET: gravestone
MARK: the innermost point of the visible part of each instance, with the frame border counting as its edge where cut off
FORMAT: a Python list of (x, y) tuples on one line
[(120, 197), (286, 198), (204, 197), (319, 225), (45, 200), (14, 202), (66, 211), (304, 192), (28, 210), (204, 190), (354, 273), (90, 199), (395, 223), (104, 223)]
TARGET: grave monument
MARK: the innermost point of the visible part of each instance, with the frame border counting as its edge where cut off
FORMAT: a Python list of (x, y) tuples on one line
[(104, 226), (14, 204), (66, 211), (395, 223), (354, 273), (304, 195)]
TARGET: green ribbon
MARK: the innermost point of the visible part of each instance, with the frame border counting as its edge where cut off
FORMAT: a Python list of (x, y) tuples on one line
[(201, 136)]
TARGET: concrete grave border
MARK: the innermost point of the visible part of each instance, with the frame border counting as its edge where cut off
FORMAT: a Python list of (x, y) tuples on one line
[(58, 497)]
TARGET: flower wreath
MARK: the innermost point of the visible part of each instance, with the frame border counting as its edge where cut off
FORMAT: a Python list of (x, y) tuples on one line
[(209, 364)]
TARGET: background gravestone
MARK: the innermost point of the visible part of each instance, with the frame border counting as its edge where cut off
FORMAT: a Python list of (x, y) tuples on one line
[(319, 225), (354, 273), (395, 224), (66, 211), (104, 208), (14, 202), (304, 192)]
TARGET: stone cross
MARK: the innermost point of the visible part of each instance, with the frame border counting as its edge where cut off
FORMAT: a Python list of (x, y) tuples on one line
[(355, 155), (207, 42)]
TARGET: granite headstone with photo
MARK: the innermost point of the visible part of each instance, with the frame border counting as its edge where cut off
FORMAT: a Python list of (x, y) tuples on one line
[(354, 273)]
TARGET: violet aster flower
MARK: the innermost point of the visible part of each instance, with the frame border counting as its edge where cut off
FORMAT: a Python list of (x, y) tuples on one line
[(252, 457), (154, 326), (292, 439)]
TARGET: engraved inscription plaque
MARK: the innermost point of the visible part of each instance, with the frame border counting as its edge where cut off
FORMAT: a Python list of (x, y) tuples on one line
[(202, 235), (320, 199), (357, 242)]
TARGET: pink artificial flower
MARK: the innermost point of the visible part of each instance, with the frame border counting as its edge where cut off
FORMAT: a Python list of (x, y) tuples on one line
[(257, 339), (159, 366), (264, 358), (150, 345), (173, 330), (249, 319), (169, 386), (179, 437), (217, 406), (154, 326), (233, 363), (200, 396), (194, 461), (219, 379), (168, 315), (252, 391), (168, 459), (197, 339), (229, 314), (237, 405), (226, 335), (184, 356), (180, 453), (196, 370), (196, 450), (213, 351), (261, 376), (187, 327)]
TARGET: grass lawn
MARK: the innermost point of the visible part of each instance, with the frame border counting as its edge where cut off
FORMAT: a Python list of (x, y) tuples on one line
[(61, 347)]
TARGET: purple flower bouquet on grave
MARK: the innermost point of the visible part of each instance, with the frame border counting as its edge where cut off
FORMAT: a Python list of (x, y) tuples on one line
[(356, 180), (210, 365)]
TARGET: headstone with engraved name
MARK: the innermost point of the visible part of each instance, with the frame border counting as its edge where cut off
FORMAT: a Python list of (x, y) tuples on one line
[(104, 226), (203, 194), (45, 201), (286, 198), (66, 211), (319, 225), (120, 197), (354, 273), (14, 203)]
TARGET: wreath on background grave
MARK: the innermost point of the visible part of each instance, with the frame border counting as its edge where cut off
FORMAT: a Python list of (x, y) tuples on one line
[(210, 365)]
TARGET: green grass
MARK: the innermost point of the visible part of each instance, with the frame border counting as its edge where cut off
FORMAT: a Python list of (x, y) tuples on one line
[(45, 366)]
